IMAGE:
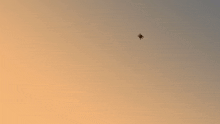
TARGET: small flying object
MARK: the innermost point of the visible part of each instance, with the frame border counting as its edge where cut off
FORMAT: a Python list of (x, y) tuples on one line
[(140, 36)]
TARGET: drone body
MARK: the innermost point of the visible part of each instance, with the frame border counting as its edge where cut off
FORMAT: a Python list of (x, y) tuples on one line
[(140, 36)]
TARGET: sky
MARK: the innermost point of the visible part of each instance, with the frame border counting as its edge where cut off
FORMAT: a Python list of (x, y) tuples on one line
[(81, 62)]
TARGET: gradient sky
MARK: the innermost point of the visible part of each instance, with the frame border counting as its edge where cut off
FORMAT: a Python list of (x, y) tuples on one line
[(81, 62)]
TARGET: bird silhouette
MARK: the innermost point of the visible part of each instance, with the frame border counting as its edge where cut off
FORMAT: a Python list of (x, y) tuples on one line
[(140, 36)]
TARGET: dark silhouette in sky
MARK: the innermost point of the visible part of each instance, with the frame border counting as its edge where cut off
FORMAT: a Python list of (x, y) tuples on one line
[(140, 36)]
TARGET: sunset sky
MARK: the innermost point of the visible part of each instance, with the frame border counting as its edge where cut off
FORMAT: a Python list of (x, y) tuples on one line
[(81, 62)]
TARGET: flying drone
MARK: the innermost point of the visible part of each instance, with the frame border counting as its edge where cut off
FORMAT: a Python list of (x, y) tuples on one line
[(140, 36)]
